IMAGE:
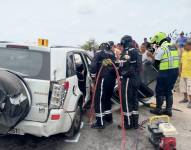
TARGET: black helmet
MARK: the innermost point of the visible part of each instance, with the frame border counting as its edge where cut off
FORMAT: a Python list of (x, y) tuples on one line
[(111, 43), (127, 41), (105, 46)]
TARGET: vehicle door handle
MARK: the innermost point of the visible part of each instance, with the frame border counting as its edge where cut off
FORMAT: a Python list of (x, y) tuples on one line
[(73, 90)]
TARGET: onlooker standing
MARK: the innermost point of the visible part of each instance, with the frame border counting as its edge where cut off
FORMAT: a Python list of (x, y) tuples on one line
[(185, 72), (135, 44), (148, 45), (181, 40), (144, 51), (118, 50), (120, 47), (146, 61), (145, 40)]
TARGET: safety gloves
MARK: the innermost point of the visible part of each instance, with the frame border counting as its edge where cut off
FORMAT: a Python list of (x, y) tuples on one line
[(107, 62)]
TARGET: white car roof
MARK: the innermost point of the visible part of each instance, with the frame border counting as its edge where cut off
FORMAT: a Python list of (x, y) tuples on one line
[(67, 48), (39, 48)]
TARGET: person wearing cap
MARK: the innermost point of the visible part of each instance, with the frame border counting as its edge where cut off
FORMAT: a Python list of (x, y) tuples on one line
[(181, 40), (185, 74), (166, 60)]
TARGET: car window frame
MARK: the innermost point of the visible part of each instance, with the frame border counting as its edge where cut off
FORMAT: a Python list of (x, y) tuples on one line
[(83, 59), (89, 57), (67, 68), (44, 73)]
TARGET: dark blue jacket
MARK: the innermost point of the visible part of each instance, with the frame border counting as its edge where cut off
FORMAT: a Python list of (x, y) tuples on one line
[(131, 68), (97, 63)]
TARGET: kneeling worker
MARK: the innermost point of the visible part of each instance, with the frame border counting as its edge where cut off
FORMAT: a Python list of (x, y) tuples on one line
[(105, 85)]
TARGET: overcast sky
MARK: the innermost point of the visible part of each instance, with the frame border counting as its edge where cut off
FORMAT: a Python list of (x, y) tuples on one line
[(72, 22)]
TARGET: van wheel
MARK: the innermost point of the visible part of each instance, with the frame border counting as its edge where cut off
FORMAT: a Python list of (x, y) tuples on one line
[(75, 128)]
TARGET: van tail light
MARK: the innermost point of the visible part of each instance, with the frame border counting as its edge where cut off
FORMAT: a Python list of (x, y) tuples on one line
[(55, 117), (59, 92), (66, 85)]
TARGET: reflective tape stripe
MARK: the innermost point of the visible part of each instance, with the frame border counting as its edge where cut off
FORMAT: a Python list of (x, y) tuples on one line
[(164, 64), (131, 49), (93, 75), (132, 62), (166, 59), (109, 52), (107, 112), (135, 112), (101, 102), (99, 115), (128, 115), (121, 63), (126, 98)]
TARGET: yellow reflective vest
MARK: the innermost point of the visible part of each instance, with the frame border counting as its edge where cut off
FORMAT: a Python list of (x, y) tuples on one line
[(170, 58)]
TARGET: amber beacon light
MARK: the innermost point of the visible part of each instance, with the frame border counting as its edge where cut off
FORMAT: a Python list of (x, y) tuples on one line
[(43, 42)]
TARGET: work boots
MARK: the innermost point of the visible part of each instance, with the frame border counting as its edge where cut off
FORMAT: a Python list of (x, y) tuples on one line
[(108, 119), (169, 103), (136, 121), (126, 123), (99, 124), (159, 103)]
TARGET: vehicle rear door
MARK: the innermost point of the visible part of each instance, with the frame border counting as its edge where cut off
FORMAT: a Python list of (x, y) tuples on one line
[(71, 77), (80, 59), (39, 89), (33, 66)]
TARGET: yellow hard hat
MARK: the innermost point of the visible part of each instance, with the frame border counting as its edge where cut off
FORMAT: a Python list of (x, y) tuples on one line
[(158, 37)]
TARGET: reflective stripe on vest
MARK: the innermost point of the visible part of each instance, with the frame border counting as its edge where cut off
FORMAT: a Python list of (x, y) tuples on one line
[(170, 58)]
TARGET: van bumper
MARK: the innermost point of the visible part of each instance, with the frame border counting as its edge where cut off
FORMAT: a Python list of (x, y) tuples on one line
[(48, 128)]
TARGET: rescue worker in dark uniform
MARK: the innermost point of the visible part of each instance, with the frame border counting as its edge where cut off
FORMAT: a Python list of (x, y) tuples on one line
[(130, 65), (105, 85)]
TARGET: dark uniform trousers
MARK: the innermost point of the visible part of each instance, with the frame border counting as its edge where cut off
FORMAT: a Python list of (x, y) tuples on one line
[(130, 102), (165, 84), (103, 96)]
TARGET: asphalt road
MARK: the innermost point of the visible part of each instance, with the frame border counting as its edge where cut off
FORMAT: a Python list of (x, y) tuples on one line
[(108, 139)]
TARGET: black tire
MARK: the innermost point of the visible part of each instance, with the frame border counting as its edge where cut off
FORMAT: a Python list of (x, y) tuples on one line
[(12, 88), (75, 128)]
